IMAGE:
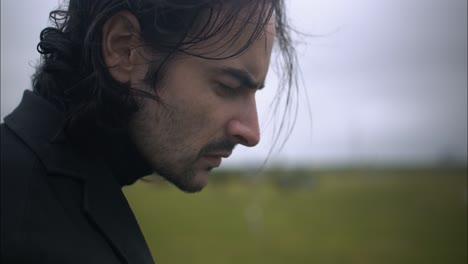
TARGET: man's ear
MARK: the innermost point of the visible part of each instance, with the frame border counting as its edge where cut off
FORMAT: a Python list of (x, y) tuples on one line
[(119, 45)]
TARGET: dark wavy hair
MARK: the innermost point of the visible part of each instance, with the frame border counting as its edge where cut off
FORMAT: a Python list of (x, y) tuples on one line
[(74, 77)]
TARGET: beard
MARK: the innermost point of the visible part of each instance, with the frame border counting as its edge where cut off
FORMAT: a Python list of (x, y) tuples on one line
[(183, 180), (182, 173), (169, 137)]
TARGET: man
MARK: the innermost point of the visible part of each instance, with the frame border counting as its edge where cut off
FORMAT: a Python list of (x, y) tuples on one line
[(124, 89)]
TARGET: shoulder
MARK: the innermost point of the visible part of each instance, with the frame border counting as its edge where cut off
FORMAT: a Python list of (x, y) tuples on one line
[(15, 153), (18, 166), (18, 161)]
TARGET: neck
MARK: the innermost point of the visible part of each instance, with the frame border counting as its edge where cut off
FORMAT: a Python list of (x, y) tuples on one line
[(123, 158), (118, 152)]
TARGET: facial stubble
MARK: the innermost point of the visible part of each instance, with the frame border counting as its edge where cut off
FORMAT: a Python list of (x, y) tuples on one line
[(161, 133)]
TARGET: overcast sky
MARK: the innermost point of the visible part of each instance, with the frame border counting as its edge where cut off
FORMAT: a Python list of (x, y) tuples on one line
[(386, 80)]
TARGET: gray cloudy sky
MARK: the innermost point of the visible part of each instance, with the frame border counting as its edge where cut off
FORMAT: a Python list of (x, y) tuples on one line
[(386, 79)]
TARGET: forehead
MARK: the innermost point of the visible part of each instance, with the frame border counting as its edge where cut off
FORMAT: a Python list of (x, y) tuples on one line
[(244, 45), (226, 30)]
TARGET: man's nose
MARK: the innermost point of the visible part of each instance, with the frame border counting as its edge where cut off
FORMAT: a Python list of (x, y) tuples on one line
[(244, 129)]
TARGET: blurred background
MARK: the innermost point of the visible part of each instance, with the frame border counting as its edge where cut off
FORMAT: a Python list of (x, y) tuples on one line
[(375, 170)]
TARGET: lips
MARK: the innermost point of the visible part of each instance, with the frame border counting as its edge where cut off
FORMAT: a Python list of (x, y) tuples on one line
[(214, 159)]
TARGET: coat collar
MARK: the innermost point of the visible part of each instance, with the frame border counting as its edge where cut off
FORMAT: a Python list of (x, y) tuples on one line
[(39, 124)]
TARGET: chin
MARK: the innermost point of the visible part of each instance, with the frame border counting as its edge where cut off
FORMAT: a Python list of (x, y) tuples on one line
[(192, 187), (190, 182)]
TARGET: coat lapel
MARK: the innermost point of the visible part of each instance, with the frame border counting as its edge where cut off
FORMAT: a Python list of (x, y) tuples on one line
[(108, 208), (38, 124)]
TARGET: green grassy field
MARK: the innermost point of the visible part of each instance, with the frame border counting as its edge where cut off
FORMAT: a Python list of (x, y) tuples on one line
[(342, 216)]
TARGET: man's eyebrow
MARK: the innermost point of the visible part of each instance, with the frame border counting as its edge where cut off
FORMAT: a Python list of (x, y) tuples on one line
[(242, 76)]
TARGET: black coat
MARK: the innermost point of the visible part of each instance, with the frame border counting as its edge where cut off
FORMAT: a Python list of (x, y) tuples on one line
[(58, 206)]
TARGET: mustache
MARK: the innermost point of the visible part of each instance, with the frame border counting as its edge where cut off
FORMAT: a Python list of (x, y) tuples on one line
[(222, 145)]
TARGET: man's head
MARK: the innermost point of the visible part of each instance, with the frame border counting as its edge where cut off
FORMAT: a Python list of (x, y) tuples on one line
[(180, 76)]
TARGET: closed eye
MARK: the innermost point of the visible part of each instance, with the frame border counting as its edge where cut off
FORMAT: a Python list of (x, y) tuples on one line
[(229, 90), (242, 76)]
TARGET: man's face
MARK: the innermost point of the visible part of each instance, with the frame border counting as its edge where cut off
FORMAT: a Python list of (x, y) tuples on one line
[(208, 106)]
